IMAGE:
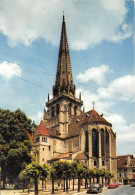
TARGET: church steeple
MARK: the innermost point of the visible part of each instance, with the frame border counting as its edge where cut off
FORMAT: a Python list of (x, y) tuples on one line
[(64, 80)]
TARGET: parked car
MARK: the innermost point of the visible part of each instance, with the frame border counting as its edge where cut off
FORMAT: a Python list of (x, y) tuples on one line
[(113, 185), (133, 184), (95, 187)]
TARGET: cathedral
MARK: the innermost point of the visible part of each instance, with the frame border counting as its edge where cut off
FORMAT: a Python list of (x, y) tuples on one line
[(68, 133)]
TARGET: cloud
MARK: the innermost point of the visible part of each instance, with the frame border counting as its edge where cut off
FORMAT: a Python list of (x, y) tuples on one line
[(96, 74), (122, 87), (125, 133), (38, 117), (88, 23), (8, 70)]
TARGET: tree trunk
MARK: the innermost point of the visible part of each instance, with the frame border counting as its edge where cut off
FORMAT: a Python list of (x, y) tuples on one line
[(86, 183), (73, 183), (97, 179), (23, 185), (79, 184), (45, 184), (36, 186), (93, 179), (4, 182), (42, 185), (90, 181), (66, 185), (29, 187), (102, 182), (52, 186)]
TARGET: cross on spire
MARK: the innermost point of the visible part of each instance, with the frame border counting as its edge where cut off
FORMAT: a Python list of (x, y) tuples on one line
[(93, 104)]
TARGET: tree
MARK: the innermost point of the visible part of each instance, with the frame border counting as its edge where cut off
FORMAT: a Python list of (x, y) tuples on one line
[(34, 171), (80, 174), (15, 146), (45, 173), (74, 169), (62, 170), (23, 177)]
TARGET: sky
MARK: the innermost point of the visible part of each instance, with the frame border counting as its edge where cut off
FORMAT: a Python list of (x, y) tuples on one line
[(101, 44)]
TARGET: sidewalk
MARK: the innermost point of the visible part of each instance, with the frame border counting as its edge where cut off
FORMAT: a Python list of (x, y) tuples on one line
[(46, 192)]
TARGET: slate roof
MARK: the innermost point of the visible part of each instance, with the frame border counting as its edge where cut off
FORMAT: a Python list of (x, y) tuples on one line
[(41, 129), (81, 156), (90, 117)]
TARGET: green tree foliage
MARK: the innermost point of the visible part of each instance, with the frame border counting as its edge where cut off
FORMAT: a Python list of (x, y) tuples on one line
[(61, 169), (36, 171), (45, 173), (15, 145)]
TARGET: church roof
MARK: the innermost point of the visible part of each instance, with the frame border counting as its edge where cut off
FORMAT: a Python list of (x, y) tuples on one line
[(41, 129), (64, 80), (81, 156), (61, 156), (90, 117)]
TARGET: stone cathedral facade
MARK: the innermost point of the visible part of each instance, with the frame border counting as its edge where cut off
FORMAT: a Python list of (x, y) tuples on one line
[(67, 132)]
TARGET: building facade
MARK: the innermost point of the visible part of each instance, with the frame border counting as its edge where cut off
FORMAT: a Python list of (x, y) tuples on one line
[(67, 132), (126, 169)]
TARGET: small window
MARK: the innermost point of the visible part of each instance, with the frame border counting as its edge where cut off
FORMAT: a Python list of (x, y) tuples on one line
[(43, 159), (103, 163), (133, 170), (44, 139), (43, 149), (95, 163), (49, 147)]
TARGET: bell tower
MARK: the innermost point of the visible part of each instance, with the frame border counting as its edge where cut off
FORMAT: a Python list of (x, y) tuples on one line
[(64, 104)]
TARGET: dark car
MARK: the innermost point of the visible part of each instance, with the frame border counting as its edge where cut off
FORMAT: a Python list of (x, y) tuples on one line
[(133, 184), (95, 187)]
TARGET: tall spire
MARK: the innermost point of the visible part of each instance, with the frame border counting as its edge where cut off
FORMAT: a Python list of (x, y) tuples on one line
[(64, 81)]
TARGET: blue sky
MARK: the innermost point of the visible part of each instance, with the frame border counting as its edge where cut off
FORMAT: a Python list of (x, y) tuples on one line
[(101, 43)]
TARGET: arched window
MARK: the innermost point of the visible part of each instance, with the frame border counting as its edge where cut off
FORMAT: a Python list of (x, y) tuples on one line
[(102, 143), (69, 109), (86, 141), (57, 109), (75, 109), (52, 111), (107, 143), (94, 143)]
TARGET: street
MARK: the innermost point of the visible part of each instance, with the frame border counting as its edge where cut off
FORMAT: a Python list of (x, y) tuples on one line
[(122, 190)]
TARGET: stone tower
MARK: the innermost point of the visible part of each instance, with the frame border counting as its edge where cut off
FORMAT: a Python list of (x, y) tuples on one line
[(64, 104)]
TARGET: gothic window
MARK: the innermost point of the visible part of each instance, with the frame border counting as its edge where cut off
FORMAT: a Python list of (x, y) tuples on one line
[(86, 141), (75, 109), (107, 143), (57, 109), (69, 109), (103, 163), (95, 163), (102, 143), (94, 143), (52, 111)]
